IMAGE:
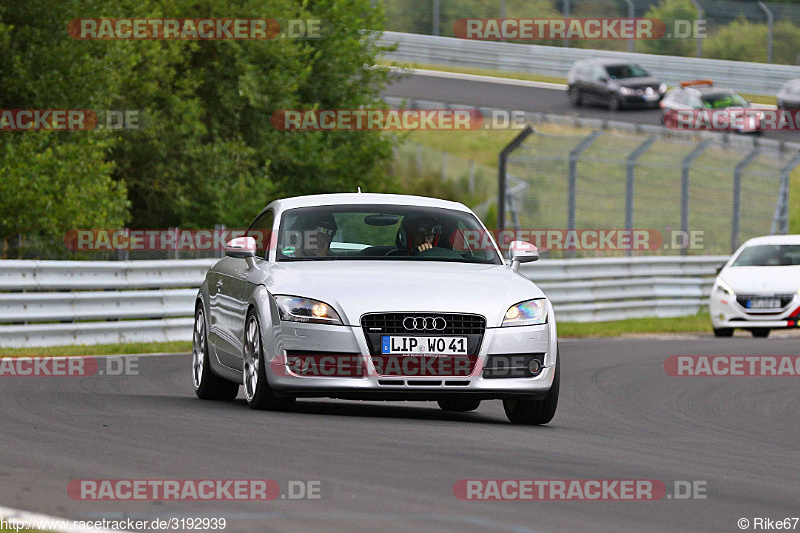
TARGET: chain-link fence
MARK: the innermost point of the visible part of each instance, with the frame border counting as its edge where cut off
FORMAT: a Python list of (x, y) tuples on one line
[(745, 30), (696, 197)]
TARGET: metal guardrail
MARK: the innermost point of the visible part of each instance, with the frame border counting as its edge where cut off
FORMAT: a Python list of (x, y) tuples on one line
[(53, 303), (753, 78)]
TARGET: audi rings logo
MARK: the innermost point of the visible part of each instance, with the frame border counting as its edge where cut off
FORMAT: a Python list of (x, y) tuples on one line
[(424, 323)]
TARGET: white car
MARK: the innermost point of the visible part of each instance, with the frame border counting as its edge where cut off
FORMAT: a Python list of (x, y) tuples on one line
[(758, 289), (375, 297)]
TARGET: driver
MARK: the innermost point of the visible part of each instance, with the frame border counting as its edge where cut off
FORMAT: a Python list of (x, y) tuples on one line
[(420, 233), (318, 230)]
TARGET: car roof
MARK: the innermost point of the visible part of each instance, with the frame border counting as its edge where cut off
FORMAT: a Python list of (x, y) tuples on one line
[(349, 198), (773, 239), (605, 61)]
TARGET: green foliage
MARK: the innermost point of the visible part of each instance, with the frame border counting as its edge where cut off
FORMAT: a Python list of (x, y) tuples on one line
[(744, 41), (669, 11), (53, 182), (207, 153)]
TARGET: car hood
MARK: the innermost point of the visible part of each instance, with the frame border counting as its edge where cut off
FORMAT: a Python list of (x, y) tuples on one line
[(638, 83), (762, 280), (358, 287)]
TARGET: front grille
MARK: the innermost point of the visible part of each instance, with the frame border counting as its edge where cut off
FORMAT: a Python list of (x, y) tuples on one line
[(392, 323), (378, 325), (744, 298)]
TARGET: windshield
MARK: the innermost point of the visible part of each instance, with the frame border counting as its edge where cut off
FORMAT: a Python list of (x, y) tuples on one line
[(381, 232), (723, 100), (616, 72), (792, 88), (769, 255)]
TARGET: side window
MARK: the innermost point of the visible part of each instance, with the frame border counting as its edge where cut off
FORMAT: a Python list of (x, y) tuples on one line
[(261, 231), (599, 73)]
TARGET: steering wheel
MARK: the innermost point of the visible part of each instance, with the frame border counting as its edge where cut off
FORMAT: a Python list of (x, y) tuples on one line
[(436, 251)]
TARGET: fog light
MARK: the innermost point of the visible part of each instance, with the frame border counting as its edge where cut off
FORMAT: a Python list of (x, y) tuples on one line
[(535, 366)]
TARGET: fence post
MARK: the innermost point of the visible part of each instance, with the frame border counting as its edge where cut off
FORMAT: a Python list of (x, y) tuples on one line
[(565, 12), (220, 229), (700, 16), (770, 21), (780, 222), (435, 17), (737, 196), (631, 14), (471, 176), (685, 166), (501, 175), (573, 180), (630, 170)]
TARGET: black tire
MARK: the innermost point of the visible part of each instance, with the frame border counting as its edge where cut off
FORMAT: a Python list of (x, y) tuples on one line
[(258, 393), (723, 332), (760, 332), (614, 102), (459, 405), (207, 385), (574, 95), (535, 412)]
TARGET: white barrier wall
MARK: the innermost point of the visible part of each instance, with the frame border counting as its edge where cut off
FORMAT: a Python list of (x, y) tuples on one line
[(53, 303)]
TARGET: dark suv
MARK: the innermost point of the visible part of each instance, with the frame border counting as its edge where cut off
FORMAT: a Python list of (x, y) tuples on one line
[(614, 83)]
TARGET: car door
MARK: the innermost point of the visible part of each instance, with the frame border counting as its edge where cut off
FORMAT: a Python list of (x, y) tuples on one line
[(597, 84), (230, 291)]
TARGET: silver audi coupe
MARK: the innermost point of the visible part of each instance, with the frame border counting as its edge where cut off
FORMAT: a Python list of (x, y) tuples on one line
[(375, 297)]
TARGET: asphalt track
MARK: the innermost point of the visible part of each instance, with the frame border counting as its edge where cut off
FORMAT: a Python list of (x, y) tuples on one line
[(524, 98), (392, 466)]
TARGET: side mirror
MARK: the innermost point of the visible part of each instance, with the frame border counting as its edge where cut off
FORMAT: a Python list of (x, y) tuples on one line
[(602, 79), (718, 268), (522, 252), (242, 248)]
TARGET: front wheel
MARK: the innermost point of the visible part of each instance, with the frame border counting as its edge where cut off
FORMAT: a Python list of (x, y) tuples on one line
[(535, 412), (614, 102), (723, 332), (761, 332), (257, 391), (207, 385), (574, 96)]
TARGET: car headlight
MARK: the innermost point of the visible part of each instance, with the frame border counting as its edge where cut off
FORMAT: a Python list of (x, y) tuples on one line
[(662, 88), (625, 90), (297, 309), (526, 313), (724, 287)]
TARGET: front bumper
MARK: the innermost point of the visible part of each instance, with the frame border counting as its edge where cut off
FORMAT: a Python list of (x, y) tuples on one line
[(726, 312), (350, 342)]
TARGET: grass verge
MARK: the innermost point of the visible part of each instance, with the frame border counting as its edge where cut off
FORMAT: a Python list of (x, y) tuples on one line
[(100, 349), (755, 98), (701, 322)]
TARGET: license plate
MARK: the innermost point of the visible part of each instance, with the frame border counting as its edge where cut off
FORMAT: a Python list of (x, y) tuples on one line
[(407, 345), (650, 97), (764, 304)]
